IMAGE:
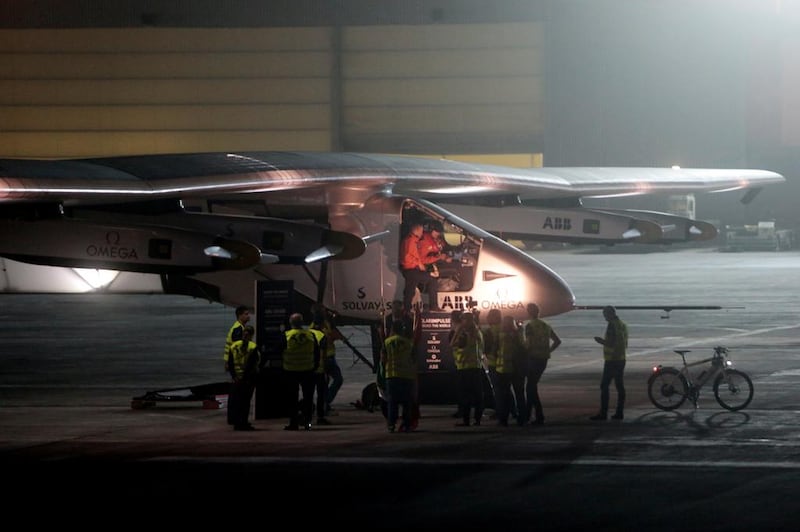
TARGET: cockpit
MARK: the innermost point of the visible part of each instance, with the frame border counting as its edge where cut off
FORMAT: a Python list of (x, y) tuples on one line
[(450, 251)]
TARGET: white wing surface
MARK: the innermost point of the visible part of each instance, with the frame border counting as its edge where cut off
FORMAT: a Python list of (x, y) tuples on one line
[(148, 177)]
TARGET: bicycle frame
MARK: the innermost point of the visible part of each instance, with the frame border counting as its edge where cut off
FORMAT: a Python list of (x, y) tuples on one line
[(705, 376)]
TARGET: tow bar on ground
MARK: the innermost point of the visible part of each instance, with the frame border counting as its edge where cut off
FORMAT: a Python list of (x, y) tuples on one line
[(213, 396)]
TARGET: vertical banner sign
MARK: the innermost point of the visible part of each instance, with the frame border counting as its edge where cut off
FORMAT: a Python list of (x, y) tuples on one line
[(273, 308), (433, 349), (436, 369)]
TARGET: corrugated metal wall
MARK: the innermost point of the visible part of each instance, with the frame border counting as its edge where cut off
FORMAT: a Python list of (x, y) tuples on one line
[(87, 92), (457, 89), (401, 89)]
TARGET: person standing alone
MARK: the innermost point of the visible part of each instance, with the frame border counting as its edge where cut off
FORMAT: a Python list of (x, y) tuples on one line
[(615, 345)]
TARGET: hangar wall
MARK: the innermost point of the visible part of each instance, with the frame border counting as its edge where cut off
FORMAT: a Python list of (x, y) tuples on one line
[(88, 92), (92, 92)]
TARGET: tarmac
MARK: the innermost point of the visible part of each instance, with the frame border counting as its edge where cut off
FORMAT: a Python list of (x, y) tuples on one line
[(71, 365)]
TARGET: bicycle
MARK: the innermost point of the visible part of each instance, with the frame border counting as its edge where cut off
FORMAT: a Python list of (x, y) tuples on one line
[(669, 387)]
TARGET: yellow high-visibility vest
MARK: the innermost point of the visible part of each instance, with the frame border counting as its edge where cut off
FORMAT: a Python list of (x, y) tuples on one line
[(299, 352), (399, 359)]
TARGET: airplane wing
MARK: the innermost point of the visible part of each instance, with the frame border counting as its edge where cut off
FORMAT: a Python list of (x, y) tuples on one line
[(149, 177), (538, 203)]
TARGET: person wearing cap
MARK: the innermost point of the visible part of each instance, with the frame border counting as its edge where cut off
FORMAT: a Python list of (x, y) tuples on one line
[(615, 344)]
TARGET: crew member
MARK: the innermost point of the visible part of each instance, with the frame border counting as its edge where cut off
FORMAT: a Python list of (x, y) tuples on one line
[(467, 344), (300, 360), (320, 381), (540, 341), (322, 320), (397, 358), (415, 271), (243, 364), (491, 348), (615, 345), (431, 246), (234, 335), (235, 332)]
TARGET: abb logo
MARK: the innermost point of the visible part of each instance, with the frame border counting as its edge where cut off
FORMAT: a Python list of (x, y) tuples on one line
[(561, 224)]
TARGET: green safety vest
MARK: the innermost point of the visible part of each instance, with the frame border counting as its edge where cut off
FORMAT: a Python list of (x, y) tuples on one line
[(299, 352), (241, 357), (510, 345), (491, 341), (469, 355), (618, 350), (399, 361), (330, 346), (320, 336), (229, 339), (537, 339)]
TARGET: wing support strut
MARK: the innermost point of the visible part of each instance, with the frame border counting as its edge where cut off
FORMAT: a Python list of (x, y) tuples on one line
[(665, 308)]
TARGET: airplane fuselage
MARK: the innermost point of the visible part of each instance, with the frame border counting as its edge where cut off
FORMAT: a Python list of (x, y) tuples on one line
[(484, 272)]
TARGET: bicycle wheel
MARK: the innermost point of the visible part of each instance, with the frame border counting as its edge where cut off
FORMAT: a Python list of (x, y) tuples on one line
[(733, 389), (667, 388)]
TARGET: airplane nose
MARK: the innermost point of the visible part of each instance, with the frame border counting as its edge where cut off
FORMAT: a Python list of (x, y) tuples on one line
[(551, 292)]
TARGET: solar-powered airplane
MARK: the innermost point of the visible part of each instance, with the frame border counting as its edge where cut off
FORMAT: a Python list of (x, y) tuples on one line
[(211, 224)]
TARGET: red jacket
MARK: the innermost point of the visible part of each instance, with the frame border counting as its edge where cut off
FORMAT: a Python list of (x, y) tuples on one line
[(411, 259), (429, 249)]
